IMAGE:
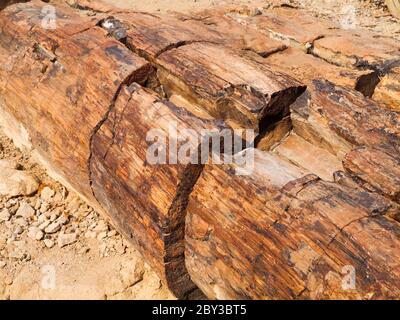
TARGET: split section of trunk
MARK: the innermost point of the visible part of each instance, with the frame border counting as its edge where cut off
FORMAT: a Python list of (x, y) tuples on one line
[(291, 235), (77, 93), (134, 176)]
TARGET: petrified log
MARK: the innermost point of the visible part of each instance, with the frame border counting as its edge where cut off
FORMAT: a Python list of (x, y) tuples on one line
[(280, 233), (86, 94), (294, 27), (190, 64), (89, 125), (147, 200), (306, 67), (358, 49)]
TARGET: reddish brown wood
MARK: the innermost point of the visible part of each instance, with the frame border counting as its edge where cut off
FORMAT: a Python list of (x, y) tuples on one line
[(321, 197)]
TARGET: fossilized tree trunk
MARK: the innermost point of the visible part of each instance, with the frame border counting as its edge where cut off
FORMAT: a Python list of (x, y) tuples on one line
[(324, 192)]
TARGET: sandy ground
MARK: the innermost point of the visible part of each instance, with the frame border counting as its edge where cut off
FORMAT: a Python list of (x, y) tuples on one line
[(96, 263), (99, 264)]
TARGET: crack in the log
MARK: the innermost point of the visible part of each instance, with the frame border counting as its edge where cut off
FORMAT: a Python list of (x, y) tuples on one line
[(116, 123), (127, 81), (179, 44), (366, 84)]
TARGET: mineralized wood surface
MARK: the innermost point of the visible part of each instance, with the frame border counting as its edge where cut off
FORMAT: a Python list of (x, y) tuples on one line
[(294, 27), (58, 82), (323, 196), (147, 199), (387, 91), (280, 233), (358, 49), (306, 67), (230, 87)]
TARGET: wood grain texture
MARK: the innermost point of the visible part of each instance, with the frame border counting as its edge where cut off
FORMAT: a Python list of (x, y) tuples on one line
[(289, 236), (387, 92), (324, 193), (147, 199), (230, 87), (43, 87)]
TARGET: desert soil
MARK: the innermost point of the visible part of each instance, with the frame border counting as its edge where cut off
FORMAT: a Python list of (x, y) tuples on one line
[(54, 246)]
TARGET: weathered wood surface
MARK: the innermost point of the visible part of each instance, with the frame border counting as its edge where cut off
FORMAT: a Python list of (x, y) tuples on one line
[(283, 234), (230, 87), (306, 67), (58, 85), (42, 85), (387, 92), (324, 193), (147, 200)]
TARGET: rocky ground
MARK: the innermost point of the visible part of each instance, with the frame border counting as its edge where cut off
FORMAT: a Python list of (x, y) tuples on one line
[(54, 246)]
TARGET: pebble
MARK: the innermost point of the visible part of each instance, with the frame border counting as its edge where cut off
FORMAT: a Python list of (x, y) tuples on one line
[(2, 264), (39, 235), (18, 230), (35, 233), (48, 243), (8, 164), (15, 183), (44, 225), (102, 235), (101, 226), (47, 194), (63, 219), (25, 211), (44, 207), (66, 239), (53, 227), (5, 215), (90, 234)]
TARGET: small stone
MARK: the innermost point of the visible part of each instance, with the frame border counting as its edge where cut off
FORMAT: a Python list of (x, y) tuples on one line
[(42, 218), (9, 164), (5, 215), (44, 224), (18, 230), (53, 217), (32, 231), (63, 219), (90, 234), (101, 226), (102, 235), (73, 203), (2, 264), (53, 227), (112, 233), (66, 239), (12, 202), (21, 222), (44, 207), (38, 204), (47, 194), (15, 183), (39, 235), (25, 211), (48, 243)]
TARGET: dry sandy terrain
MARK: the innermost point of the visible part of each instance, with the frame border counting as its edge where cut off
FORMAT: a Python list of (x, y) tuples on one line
[(53, 246)]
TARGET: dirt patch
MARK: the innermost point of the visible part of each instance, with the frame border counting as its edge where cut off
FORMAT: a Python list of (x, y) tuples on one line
[(54, 246)]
